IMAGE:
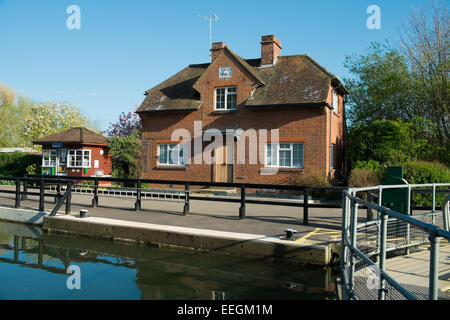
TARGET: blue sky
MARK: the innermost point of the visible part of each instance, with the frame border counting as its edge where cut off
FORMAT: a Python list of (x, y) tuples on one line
[(126, 47)]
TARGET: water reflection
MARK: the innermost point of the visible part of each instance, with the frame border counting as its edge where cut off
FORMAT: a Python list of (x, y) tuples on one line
[(33, 266)]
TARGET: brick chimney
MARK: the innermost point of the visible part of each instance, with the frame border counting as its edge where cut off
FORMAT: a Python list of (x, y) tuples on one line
[(216, 49), (270, 50)]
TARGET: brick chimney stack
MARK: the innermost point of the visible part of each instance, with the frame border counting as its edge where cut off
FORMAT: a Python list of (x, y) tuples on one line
[(216, 49), (270, 50)]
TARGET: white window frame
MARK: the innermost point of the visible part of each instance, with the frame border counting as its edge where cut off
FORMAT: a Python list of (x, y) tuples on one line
[(335, 104), (52, 153), (277, 149), (174, 147), (78, 164), (225, 108)]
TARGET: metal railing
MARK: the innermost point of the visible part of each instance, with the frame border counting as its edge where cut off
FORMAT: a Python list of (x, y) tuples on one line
[(364, 242), (185, 193), (41, 184)]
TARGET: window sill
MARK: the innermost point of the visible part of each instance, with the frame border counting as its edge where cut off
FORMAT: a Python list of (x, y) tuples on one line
[(284, 170), (223, 111), (168, 167)]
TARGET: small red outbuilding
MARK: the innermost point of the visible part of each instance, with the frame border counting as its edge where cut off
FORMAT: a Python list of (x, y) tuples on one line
[(75, 152)]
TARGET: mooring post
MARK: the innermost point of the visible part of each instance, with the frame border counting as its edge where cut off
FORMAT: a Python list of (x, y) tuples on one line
[(41, 195), (242, 207), (95, 200), (138, 204), (305, 206), (17, 204), (186, 199)]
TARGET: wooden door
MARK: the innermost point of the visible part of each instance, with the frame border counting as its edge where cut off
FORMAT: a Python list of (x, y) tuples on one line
[(223, 171)]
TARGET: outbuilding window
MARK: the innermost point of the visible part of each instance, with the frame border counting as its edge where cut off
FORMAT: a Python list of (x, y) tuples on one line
[(285, 155), (79, 159), (49, 158), (226, 98)]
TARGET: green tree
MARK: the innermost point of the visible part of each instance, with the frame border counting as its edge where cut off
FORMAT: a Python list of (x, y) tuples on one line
[(381, 86), (11, 114), (44, 119), (387, 142), (425, 44), (24, 120)]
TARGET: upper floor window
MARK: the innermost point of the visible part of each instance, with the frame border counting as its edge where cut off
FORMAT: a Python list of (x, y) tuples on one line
[(285, 155), (335, 101), (172, 154), (226, 98)]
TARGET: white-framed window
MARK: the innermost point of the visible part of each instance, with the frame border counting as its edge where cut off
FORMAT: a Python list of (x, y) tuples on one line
[(49, 158), (335, 101), (226, 98), (79, 158), (285, 155), (170, 154)]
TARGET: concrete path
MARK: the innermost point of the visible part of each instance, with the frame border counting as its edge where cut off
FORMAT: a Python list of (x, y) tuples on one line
[(324, 224), (413, 271)]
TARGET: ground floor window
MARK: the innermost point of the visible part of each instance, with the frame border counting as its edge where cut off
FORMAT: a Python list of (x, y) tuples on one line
[(172, 154), (285, 155), (79, 158)]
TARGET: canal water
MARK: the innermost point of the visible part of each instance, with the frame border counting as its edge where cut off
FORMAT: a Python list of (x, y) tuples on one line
[(34, 266)]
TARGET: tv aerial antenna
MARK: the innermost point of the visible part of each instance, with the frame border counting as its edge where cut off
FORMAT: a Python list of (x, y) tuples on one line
[(211, 19)]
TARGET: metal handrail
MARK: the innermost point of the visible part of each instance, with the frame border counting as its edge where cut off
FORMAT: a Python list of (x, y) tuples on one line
[(446, 213), (349, 245)]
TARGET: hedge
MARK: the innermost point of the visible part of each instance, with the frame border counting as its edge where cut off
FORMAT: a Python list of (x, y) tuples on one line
[(17, 164)]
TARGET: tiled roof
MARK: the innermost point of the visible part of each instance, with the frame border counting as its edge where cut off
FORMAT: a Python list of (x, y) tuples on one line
[(296, 79), (74, 135)]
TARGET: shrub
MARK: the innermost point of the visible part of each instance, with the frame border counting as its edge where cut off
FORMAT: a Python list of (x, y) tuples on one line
[(126, 155), (421, 172), (313, 178), (376, 167), (363, 178)]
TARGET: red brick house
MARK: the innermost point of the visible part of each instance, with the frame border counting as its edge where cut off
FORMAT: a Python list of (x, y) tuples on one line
[(75, 152), (293, 94)]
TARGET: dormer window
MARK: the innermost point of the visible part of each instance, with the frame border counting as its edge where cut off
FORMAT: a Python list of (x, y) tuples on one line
[(226, 98)]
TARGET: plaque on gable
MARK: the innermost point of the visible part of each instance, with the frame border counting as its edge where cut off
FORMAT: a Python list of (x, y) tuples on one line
[(225, 73)]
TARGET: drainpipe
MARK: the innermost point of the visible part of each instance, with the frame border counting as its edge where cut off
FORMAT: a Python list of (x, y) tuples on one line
[(331, 127)]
